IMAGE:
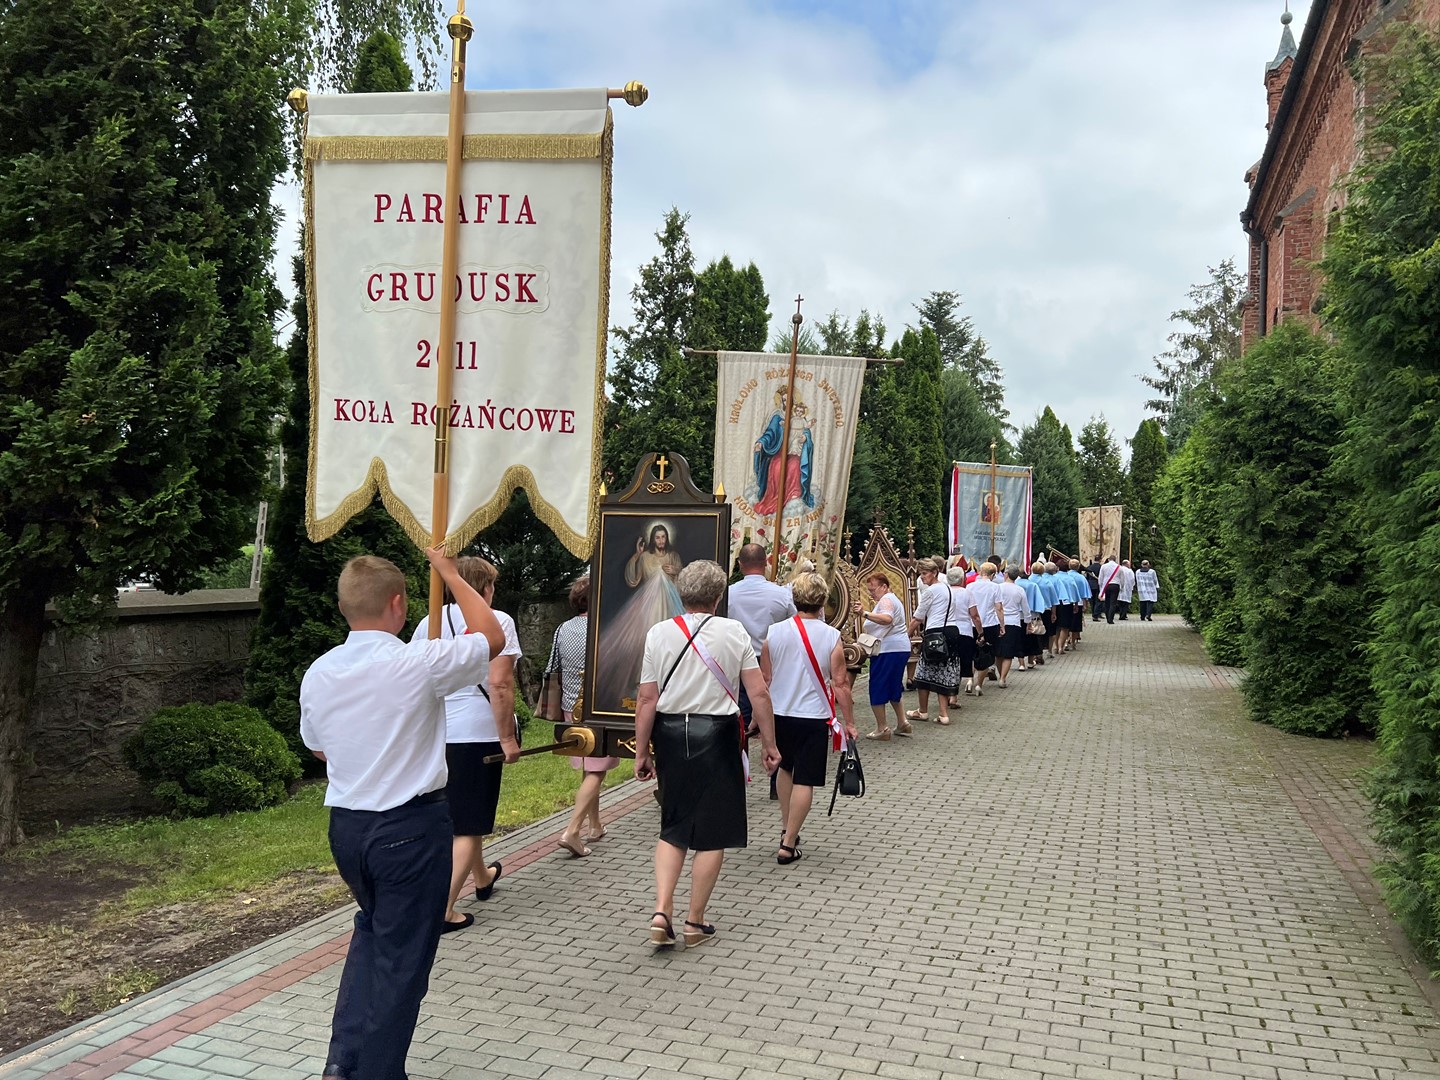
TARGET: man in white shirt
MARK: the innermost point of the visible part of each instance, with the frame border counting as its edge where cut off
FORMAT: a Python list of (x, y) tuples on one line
[(757, 604), (1127, 589), (373, 709), (1110, 586)]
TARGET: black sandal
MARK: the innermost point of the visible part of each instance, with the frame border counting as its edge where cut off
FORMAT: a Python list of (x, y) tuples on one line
[(794, 856), (663, 936), (702, 933)]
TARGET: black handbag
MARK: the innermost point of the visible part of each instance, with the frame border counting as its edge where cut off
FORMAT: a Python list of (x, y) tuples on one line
[(849, 776), (984, 654), (935, 642)]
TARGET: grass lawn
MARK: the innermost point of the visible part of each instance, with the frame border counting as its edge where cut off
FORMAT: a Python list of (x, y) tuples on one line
[(200, 858)]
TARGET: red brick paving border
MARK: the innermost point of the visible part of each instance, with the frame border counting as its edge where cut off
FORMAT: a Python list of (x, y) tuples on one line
[(139, 1045)]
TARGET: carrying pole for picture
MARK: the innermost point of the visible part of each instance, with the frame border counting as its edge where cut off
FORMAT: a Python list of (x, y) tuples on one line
[(460, 29), (775, 539)]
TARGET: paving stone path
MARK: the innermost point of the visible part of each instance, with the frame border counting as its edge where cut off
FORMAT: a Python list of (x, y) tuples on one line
[(1103, 871)]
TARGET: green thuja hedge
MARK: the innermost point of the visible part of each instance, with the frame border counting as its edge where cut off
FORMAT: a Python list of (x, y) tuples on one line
[(1382, 269), (1288, 528), (1190, 506)]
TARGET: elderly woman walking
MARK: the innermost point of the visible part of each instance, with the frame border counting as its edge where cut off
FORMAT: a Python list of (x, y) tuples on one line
[(479, 723), (947, 608), (886, 621), (567, 658), (687, 710), (803, 663)]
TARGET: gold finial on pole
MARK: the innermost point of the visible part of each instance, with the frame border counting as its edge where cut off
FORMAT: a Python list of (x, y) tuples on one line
[(632, 93), (298, 100)]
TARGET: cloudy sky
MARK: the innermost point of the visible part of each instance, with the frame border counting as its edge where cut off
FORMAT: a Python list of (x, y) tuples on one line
[(1069, 168)]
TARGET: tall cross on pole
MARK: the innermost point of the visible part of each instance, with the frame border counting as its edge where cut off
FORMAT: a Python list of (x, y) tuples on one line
[(783, 494)]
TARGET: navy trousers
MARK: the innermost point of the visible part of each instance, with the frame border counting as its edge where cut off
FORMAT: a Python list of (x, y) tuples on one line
[(397, 864)]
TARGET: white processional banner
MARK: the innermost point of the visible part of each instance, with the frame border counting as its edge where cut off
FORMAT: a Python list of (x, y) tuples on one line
[(532, 290), (807, 481), (991, 519)]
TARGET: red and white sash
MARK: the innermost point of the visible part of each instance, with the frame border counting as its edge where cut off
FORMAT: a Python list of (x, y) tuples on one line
[(837, 732)]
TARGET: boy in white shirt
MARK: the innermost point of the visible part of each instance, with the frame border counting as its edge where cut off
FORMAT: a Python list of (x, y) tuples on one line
[(373, 709)]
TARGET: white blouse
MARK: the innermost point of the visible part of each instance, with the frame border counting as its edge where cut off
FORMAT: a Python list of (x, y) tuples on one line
[(794, 690)]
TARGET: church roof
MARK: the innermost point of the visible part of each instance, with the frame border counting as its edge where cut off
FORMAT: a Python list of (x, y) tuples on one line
[(1287, 48)]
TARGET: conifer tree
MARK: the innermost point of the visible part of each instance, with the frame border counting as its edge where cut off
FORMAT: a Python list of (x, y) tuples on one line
[(963, 349), (662, 400), (1102, 473), (298, 617), (1045, 446), (1207, 340), (1288, 530), (141, 380), (1148, 457), (1383, 292)]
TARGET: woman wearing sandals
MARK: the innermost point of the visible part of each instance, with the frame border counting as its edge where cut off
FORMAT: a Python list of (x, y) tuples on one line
[(985, 595), (479, 722), (567, 656), (688, 734), (947, 606), (803, 663), (886, 621)]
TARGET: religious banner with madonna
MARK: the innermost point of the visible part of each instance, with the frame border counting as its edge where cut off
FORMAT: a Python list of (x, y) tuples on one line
[(990, 510), (531, 289), (805, 482)]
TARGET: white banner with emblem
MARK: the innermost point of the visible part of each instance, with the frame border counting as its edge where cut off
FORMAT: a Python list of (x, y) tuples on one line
[(808, 480), (532, 289)]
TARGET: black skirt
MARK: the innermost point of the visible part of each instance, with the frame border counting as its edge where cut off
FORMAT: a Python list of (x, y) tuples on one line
[(473, 787), (804, 744), (1012, 643), (702, 780)]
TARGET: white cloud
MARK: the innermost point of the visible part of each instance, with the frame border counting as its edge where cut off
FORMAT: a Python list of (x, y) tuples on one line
[(1069, 169)]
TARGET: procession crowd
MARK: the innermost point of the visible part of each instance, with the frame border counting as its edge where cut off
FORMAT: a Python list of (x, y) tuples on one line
[(415, 735)]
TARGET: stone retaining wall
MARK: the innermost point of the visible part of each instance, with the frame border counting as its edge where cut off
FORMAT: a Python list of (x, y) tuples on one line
[(95, 687)]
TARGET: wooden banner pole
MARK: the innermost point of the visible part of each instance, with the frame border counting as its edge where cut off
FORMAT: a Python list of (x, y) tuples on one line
[(795, 321), (461, 30)]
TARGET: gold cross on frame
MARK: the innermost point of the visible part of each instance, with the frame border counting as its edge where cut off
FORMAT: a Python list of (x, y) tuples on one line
[(662, 463)]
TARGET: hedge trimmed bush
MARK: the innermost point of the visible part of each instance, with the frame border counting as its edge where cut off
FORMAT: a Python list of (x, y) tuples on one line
[(212, 759), (1382, 267)]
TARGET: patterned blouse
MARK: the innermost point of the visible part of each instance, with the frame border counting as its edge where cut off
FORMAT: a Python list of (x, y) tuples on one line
[(567, 655)]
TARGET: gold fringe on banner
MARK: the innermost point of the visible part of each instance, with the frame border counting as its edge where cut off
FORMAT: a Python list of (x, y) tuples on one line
[(516, 476), (435, 147)]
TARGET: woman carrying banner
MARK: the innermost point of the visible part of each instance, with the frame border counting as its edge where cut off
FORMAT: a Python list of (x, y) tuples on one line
[(687, 710), (567, 657), (803, 663), (946, 606), (886, 621), (479, 722)]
